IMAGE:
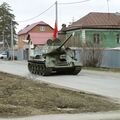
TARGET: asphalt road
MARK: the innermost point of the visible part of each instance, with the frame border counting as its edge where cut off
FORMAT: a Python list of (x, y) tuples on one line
[(101, 83)]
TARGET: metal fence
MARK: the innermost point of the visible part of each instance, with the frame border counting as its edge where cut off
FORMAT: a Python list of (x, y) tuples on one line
[(18, 53), (110, 58)]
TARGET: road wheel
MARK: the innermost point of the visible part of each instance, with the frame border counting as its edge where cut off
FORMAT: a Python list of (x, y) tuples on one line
[(76, 70)]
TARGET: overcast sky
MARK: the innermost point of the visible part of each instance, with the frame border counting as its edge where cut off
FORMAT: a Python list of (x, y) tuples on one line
[(25, 9)]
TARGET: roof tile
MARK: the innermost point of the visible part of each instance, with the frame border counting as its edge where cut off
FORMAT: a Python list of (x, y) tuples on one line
[(29, 27), (97, 20)]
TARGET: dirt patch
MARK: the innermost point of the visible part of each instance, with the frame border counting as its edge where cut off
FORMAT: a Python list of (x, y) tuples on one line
[(20, 96)]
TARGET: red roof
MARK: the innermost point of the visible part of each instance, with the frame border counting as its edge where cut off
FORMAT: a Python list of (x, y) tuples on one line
[(40, 38), (30, 27), (97, 20)]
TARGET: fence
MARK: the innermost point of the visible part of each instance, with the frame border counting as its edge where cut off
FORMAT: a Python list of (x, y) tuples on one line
[(110, 58), (18, 53)]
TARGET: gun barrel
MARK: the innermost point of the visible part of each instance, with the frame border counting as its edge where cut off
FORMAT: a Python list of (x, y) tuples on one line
[(65, 41)]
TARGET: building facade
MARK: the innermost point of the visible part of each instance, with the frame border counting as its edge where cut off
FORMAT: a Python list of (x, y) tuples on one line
[(39, 28), (33, 35), (96, 39), (98, 28)]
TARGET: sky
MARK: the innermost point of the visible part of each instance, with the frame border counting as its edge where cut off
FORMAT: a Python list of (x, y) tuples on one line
[(27, 9)]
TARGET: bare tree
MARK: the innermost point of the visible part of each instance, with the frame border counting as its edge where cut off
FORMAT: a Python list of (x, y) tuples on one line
[(92, 54)]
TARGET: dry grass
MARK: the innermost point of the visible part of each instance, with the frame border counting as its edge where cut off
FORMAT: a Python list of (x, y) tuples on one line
[(22, 97), (117, 70)]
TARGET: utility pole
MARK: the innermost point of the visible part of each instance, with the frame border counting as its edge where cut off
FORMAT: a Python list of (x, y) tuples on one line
[(12, 44), (3, 40), (56, 21), (56, 5)]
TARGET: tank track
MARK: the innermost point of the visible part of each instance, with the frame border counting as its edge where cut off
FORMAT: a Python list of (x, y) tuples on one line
[(76, 70), (69, 71), (39, 68)]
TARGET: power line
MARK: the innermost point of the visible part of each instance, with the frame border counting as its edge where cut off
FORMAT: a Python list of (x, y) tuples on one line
[(50, 8), (74, 2), (38, 14)]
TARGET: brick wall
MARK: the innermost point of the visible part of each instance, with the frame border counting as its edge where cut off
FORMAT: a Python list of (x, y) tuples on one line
[(20, 41), (36, 29)]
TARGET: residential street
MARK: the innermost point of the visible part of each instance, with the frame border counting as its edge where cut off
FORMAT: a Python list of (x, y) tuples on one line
[(59, 36), (102, 83)]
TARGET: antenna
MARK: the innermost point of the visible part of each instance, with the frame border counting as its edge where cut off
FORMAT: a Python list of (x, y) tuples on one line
[(108, 6), (108, 9)]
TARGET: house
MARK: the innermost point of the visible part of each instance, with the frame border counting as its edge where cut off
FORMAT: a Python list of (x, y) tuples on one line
[(98, 28), (34, 35), (95, 30), (37, 31)]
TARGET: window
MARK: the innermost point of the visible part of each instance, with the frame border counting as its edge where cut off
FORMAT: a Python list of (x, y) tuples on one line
[(96, 38), (42, 28), (118, 38)]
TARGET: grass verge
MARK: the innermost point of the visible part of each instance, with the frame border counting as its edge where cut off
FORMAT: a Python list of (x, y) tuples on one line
[(20, 96), (102, 69)]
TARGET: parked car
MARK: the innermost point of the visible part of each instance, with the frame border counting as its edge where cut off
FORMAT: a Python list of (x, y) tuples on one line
[(3, 55)]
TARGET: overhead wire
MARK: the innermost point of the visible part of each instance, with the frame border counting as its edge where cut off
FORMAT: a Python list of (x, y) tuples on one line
[(74, 2), (38, 14), (50, 8)]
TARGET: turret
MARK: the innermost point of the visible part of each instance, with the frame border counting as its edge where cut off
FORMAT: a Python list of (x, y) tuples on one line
[(58, 50), (65, 41)]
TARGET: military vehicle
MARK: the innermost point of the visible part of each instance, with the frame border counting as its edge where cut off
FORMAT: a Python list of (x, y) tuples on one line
[(55, 59)]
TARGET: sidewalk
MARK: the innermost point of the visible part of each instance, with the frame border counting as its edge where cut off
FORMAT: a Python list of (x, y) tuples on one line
[(83, 116), (19, 61)]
